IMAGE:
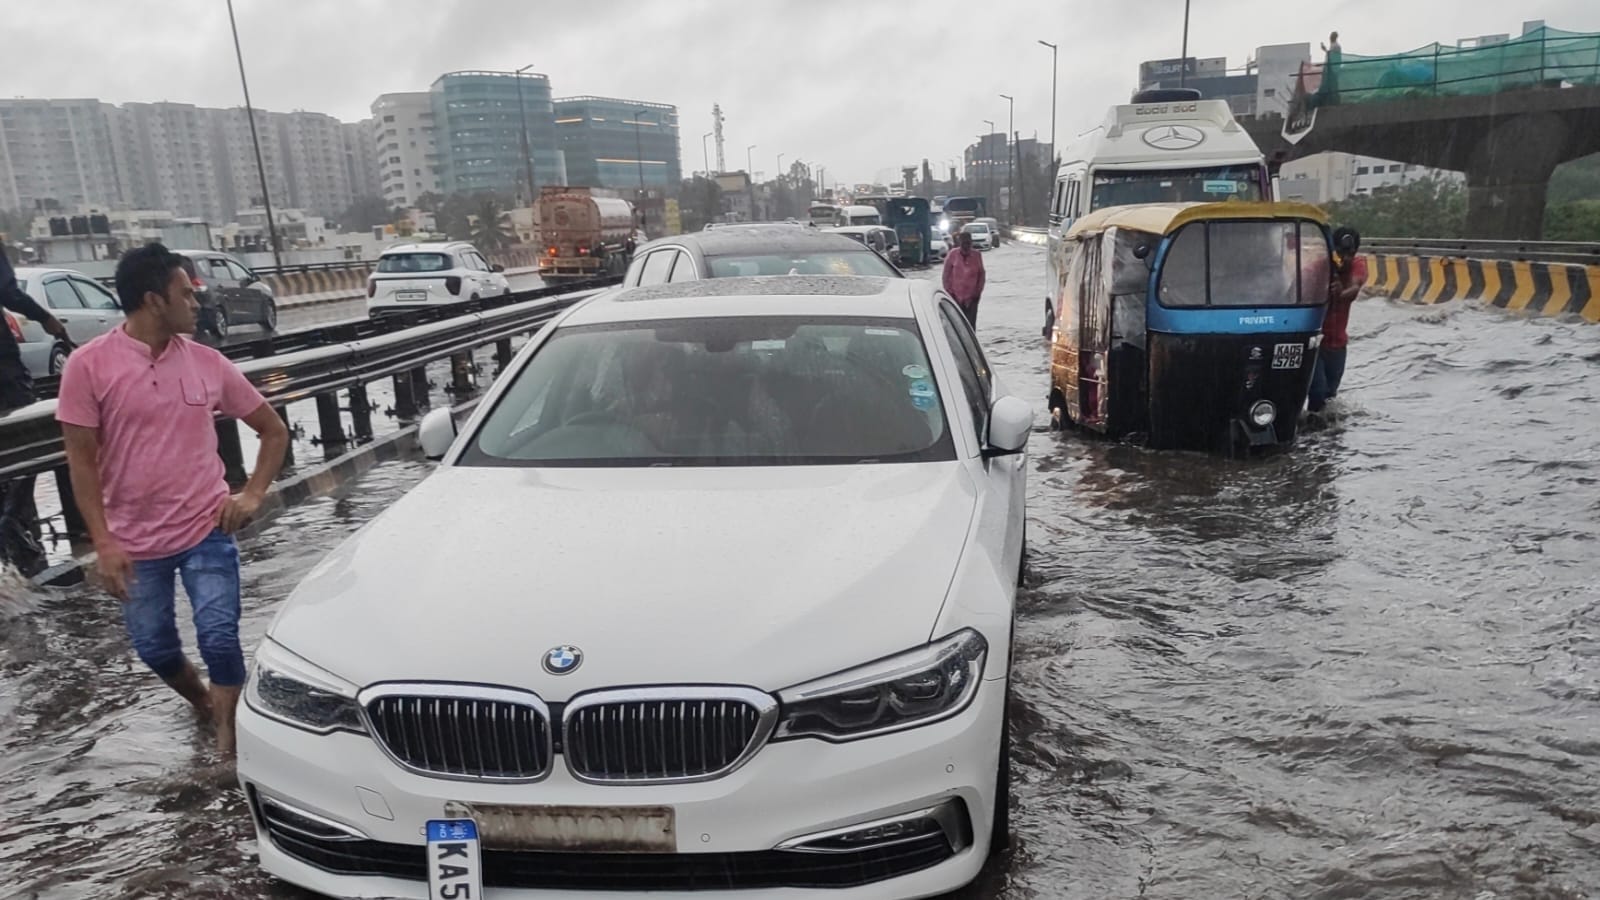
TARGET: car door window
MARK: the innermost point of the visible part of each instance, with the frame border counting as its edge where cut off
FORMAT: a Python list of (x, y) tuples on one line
[(95, 296), (657, 266), (684, 269), (60, 295), (239, 273), (219, 270), (952, 321)]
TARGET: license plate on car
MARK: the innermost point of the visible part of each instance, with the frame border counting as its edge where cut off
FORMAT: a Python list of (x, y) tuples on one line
[(455, 870), (411, 295), (1288, 356), (612, 829)]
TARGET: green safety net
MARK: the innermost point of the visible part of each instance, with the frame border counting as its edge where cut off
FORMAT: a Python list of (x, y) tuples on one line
[(1544, 57)]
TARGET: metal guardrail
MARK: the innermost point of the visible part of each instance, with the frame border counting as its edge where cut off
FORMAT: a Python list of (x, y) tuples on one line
[(1570, 252), (30, 438)]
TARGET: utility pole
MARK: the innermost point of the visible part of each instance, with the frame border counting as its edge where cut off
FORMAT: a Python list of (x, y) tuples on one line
[(527, 153), (1183, 58), (1054, 150), (706, 153), (988, 169), (1011, 163), (750, 177), (261, 169)]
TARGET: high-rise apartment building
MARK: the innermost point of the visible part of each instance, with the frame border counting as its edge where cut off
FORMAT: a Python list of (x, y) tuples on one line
[(313, 154), (163, 152), (615, 143), (360, 158), (404, 147), (56, 152), (480, 118), (234, 157)]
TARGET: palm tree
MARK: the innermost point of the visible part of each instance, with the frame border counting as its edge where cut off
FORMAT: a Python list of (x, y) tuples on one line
[(492, 228)]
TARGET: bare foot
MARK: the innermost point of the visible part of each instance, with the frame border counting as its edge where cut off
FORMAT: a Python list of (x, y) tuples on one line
[(224, 701), (189, 685)]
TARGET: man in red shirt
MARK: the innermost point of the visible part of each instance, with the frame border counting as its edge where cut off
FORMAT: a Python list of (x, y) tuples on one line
[(1349, 275), (964, 277), (136, 407)]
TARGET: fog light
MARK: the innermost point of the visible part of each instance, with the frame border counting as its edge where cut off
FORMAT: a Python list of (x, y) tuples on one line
[(1263, 413)]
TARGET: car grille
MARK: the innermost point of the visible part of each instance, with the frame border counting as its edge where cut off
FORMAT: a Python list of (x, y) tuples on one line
[(463, 731), (536, 870), (664, 734)]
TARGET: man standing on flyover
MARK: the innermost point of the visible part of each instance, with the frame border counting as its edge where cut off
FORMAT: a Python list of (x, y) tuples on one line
[(964, 277), (136, 407), (1349, 275)]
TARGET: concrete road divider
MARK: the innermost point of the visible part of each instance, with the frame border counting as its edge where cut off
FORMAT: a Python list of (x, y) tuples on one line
[(1550, 289)]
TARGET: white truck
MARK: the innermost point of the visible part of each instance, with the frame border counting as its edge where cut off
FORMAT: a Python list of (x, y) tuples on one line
[(1167, 146)]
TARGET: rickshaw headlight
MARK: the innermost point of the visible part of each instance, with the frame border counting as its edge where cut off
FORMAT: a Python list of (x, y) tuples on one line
[(1263, 413)]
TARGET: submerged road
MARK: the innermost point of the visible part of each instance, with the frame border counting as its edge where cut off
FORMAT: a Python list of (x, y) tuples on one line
[(1366, 668)]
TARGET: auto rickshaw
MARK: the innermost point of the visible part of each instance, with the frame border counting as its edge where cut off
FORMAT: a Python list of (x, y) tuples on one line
[(913, 224), (1195, 325)]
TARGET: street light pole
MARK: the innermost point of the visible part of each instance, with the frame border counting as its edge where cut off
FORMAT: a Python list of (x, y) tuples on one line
[(527, 153), (1054, 151), (750, 177), (1183, 58), (780, 168), (705, 151), (1011, 164), (255, 139)]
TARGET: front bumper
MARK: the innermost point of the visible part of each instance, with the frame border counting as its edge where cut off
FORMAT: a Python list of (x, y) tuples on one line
[(727, 830)]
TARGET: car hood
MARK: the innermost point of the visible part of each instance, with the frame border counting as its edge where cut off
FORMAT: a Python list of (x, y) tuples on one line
[(764, 576)]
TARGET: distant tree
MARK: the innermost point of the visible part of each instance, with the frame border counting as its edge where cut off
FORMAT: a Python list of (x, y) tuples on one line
[(430, 202), (365, 213), (491, 228), (1429, 207), (1575, 221), (1576, 180), (699, 202)]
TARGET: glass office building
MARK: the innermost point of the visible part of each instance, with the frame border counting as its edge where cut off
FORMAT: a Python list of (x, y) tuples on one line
[(614, 143), (478, 117)]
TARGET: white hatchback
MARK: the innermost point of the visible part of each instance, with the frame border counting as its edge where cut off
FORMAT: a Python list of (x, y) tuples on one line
[(410, 276), (734, 614)]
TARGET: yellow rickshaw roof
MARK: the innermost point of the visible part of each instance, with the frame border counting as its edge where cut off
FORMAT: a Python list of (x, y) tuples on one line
[(1165, 218)]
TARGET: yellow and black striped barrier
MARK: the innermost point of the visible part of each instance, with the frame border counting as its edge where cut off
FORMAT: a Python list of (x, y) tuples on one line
[(1550, 289)]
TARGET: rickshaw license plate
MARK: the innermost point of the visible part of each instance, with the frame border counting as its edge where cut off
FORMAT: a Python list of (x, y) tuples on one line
[(1288, 356)]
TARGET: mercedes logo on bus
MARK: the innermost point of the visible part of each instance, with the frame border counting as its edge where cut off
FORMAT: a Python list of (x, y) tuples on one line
[(1173, 137)]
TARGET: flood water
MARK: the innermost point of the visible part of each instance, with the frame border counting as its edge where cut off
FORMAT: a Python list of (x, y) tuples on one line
[(1368, 668)]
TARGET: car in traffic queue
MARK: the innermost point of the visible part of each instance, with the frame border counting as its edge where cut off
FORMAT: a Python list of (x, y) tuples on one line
[(737, 616), (938, 246), (769, 248), (982, 237), (995, 235), (881, 238), (84, 306), (421, 275), (229, 293)]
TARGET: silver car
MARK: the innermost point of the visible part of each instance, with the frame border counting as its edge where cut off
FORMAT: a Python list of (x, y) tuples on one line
[(87, 308), (230, 294)]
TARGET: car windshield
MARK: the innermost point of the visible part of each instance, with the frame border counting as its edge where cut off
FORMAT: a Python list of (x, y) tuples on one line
[(832, 262), (732, 391), (414, 262), (1176, 186), (978, 228)]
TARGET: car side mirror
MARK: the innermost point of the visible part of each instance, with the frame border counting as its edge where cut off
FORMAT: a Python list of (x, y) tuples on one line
[(1010, 423), (436, 433), (248, 280), (497, 268)]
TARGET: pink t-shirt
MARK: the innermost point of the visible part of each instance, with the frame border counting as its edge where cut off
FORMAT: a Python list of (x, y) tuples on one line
[(160, 475)]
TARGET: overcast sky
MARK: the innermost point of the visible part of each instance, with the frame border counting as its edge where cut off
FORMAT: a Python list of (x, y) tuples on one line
[(859, 86)]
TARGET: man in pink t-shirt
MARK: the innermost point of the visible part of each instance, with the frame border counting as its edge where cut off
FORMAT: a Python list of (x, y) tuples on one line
[(964, 277), (136, 407)]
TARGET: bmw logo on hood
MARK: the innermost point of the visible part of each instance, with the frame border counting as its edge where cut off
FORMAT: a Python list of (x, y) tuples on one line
[(562, 660)]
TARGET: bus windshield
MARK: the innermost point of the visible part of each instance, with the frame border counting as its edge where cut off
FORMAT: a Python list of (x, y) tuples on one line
[(1214, 184)]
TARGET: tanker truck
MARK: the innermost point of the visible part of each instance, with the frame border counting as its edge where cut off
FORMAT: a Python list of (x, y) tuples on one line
[(582, 236)]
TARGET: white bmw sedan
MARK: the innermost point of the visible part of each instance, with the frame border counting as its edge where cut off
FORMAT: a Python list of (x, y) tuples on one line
[(712, 593)]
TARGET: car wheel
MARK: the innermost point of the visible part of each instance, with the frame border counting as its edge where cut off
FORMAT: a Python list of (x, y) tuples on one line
[(269, 315), (58, 359), (219, 322)]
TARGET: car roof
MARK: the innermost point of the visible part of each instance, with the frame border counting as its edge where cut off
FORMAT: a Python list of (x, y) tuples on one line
[(42, 271), (437, 247), (746, 239), (765, 295)]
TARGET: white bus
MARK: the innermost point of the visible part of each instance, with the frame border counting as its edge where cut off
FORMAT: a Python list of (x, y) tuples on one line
[(1165, 147)]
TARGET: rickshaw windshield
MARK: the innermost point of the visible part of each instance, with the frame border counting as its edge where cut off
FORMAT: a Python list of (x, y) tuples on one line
[(1245, 263)]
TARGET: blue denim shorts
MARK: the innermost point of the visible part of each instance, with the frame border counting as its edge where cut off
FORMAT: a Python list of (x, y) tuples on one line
[(210, 573)]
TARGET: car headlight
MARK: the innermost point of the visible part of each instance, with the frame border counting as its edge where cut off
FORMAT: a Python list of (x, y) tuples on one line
[(295, 692), (903, 691)]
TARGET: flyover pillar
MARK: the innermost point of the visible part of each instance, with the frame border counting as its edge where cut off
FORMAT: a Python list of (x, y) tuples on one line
[(1508, 177)]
